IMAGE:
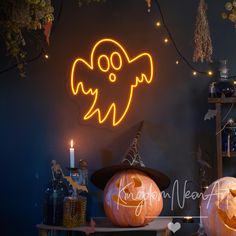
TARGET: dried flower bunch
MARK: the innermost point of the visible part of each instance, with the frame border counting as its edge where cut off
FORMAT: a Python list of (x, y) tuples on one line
[(19, 16), (230, 7), (202, 40)]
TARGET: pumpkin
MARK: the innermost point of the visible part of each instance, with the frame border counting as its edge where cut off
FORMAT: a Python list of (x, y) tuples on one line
[(131, 198), (218, 208)]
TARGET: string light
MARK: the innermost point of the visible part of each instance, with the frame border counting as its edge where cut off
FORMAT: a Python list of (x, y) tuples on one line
[(195, 72), (159, 23), (234, 82), (210, 72), (177, 62), (46, 56)]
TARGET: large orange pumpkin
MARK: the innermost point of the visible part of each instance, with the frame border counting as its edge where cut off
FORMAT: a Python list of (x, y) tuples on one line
[(218, 207), (131, 198)]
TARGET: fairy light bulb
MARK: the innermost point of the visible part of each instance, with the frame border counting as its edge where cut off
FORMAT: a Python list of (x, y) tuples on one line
[(166, 40), (177, 62), (194, 73), (230, 121), (210, 72), (158, 23), (46, 56), (234, 82)]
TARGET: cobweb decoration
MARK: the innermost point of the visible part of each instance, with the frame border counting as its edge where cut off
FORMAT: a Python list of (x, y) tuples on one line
[(132, 156), (202, 40)]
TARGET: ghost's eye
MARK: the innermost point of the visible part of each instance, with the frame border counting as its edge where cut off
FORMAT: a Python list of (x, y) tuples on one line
[(103, 63), (116, 60)]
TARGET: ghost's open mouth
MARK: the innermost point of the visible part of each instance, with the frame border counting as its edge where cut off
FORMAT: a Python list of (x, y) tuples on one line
[(112, 77)]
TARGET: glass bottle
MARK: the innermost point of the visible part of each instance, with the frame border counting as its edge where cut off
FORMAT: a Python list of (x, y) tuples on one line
[(85, 198), (71, 212), (53, 203), (224, 85), (54, 197)]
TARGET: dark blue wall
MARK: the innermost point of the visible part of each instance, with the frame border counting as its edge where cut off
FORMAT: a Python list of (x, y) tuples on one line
[(39, 115)]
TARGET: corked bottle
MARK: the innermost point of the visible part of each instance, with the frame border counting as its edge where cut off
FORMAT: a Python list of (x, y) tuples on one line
[(85, 198)]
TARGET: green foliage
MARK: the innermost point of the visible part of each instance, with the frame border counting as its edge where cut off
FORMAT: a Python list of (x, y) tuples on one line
[(19, 16)]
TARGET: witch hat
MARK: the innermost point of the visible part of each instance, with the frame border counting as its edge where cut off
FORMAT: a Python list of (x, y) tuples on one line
[(131, 160)]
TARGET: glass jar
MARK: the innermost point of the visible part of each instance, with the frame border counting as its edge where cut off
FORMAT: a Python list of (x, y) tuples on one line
[(71, 212), (229, 139), (74, 212), (224, 85)]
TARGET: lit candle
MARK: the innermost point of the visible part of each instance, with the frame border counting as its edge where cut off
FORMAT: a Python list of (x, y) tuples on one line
[(72, 154)]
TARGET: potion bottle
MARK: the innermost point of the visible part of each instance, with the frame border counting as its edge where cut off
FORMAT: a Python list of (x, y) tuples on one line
[(224, 85), (54, 196), (53, 203)]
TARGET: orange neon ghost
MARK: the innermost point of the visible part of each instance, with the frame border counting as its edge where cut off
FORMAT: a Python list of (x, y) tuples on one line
[(105, 72)]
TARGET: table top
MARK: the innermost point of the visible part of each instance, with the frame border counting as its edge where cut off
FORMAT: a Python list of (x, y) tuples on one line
[(104, 225)]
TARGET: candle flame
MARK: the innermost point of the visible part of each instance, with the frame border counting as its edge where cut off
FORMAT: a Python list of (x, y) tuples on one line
[(71, 143)]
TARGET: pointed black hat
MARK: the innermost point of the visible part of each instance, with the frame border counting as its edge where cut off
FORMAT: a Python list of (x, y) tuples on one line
[(131, 160)]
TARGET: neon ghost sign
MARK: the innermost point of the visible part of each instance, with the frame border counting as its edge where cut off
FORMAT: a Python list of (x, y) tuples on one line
[(109, 67)]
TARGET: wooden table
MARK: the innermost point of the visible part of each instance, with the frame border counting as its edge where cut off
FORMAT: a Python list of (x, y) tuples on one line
[(103, 225)]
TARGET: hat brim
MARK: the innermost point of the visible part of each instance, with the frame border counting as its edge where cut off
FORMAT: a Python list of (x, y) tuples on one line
[(102, 176)]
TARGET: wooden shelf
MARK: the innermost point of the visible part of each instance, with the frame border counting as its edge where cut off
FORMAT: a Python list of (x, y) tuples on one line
[(103, 225), (232, 154), (219, 102), (222, 100)]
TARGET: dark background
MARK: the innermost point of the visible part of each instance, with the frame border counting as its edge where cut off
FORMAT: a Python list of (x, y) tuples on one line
[(39, 115)]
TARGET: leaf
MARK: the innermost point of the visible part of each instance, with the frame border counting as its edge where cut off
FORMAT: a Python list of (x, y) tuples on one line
[(47, 30), (91, 229), (75, 184), (210, 114)]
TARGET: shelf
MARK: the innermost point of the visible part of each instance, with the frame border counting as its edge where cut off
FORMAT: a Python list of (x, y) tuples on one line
[(232, 154), (220, 155), (222, 100), (103, 225)]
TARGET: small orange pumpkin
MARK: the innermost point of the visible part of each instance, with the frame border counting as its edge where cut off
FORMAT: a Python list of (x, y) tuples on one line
[(131, 198)]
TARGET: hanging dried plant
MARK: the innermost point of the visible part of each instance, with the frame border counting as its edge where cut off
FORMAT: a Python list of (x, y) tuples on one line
[(202, 40), (19, 16)]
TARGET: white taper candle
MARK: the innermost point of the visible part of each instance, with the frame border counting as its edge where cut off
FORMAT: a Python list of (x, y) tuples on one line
[(72, 154)]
